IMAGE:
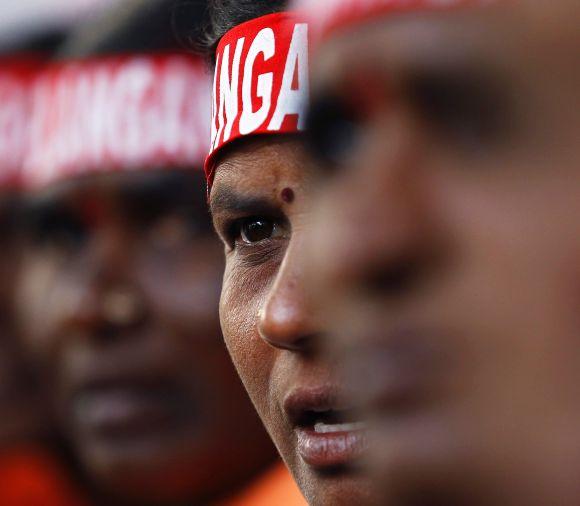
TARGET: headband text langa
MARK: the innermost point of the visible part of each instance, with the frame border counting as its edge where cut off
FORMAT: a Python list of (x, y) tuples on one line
[(118, 113), (261, 81)]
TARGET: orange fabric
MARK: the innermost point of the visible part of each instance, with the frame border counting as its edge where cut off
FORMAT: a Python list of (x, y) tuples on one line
[(32, 478), (275, 488)]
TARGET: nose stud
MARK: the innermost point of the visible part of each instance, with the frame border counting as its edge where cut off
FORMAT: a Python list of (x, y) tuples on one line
[(122, 306)]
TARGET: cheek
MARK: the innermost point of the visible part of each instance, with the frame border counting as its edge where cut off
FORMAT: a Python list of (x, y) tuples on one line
[(517, 226), (241, 301), (185, 288), (35, 286), (515, 287)]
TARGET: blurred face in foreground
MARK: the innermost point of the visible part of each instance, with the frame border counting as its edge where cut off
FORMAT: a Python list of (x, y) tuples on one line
[(118, 300), (446, 246)]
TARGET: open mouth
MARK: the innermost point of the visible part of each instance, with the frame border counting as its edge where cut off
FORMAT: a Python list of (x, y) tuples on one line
[(129, 410), (330, 421), (325, 428), (331, 438), (328, 436)]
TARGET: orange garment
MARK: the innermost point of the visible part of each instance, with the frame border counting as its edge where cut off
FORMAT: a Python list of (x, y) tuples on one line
[(31, 477), (275, 488)]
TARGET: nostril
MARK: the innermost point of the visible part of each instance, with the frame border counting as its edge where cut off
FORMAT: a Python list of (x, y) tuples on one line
[(293, 336), (287, 341), (297, 345), (286, 323)]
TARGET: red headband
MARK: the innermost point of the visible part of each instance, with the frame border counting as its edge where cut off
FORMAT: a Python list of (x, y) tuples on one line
[(120, 113), (329, 16), (261, 81), (16, 80)]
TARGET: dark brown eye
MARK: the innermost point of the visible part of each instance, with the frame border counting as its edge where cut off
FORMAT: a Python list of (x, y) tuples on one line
[(56, 227), (254, 230)]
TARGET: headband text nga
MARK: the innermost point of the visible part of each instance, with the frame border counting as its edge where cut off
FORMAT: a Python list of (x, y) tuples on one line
[(261, 80)]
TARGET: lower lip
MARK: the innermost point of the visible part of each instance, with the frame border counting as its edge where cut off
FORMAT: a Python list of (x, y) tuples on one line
[(331, 449)]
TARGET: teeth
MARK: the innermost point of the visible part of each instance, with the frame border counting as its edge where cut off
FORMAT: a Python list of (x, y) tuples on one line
[(325, 428)]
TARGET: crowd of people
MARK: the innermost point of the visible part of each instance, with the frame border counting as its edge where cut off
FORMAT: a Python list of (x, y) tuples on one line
[(290, 252)]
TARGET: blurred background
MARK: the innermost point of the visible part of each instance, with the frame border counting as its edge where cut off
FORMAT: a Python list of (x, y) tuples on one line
[(30, 20)]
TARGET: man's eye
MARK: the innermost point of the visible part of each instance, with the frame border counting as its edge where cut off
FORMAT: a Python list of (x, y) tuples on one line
[(56, 229), (254, 230), (333, 132), (65, 236)]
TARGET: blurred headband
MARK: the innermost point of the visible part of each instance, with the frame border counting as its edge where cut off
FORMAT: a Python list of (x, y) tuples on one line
[(330, 16), (261, 81), (16, 80), (121, 113)]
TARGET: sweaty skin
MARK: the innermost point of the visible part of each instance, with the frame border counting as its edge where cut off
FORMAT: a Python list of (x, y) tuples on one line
[(267, 321), (445, 248)]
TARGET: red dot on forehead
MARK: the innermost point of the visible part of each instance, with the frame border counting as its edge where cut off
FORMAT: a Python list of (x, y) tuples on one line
[(287, 195)]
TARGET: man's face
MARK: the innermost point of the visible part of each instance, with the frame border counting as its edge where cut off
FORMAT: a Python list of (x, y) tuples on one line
[(446, 246)]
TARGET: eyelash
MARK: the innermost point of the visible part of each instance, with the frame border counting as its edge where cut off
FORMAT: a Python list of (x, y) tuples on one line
[(231, 234), (232, 230)]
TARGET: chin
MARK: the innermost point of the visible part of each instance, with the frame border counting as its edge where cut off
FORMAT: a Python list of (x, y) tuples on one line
[(334, 487)]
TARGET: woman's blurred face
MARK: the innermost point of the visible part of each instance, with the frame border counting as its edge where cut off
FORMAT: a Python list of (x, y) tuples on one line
[(260, 210), (118, 300), (446, 247)]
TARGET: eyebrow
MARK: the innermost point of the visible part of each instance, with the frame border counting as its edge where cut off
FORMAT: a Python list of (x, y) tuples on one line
[(35, 214), (227, 199)]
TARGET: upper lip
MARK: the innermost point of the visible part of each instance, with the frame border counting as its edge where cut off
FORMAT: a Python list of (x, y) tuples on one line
[(120, 382), (303, 404), (107, 375), (131, 386)]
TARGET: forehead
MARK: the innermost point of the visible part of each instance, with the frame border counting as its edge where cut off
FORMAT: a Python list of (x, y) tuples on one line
[(498, 33), (261, 165)]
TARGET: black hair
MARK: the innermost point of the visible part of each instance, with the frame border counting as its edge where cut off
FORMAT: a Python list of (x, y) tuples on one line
[(227, 14), (44, 43), (139, 26)]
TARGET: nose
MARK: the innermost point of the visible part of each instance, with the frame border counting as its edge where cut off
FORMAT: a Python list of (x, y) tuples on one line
[(286, 319), (109, 297)]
